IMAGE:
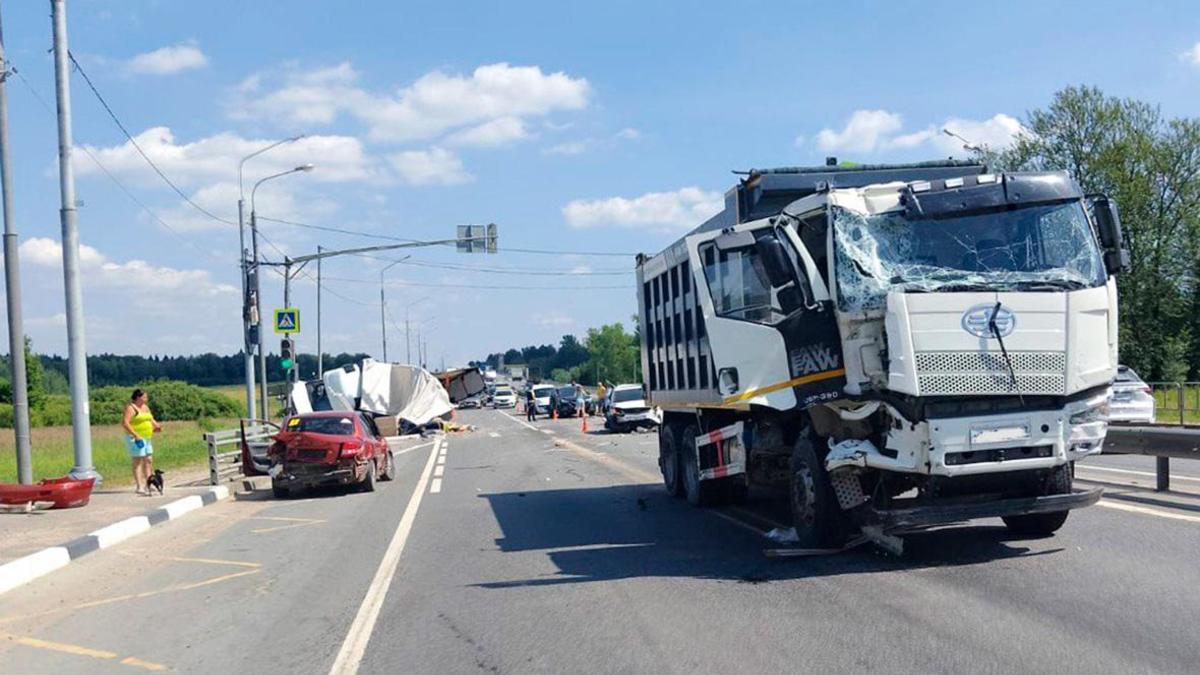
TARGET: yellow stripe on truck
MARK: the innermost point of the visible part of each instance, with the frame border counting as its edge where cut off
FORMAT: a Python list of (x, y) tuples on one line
[(770, 389)]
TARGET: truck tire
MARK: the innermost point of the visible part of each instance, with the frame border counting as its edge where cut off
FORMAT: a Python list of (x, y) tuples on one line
[(698, 492), (816, 515), (668, 460), (1044, 524), (368, 482)]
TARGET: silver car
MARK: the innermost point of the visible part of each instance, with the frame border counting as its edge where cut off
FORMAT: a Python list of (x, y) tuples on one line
[(1132, 399)]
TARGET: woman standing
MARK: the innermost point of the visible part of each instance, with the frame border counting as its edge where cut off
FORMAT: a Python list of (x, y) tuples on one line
[(140, 427)]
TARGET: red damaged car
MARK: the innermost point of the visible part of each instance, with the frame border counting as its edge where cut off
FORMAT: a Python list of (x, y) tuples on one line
[(329, 448)]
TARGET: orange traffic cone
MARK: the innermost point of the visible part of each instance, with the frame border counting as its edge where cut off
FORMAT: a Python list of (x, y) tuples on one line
[(585, 429), (554, 413)]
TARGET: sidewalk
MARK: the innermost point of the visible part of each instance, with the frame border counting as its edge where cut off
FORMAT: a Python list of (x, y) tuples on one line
[(25, 533)]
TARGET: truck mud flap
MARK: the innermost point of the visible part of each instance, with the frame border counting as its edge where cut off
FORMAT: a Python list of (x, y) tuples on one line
[(951, 512)]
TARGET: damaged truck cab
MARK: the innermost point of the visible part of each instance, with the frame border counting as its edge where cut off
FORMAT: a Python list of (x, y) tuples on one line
[(896, 346)]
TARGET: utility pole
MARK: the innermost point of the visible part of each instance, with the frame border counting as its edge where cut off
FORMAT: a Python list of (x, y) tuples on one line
[(382, 316), (265, 399), (76, 349), (320, 357), (12, 281)]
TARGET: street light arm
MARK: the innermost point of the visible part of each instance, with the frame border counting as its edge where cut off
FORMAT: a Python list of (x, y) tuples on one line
[(306, 167), (256, 153)]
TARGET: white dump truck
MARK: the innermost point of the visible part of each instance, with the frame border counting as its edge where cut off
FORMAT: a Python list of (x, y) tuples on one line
[(897, 346)]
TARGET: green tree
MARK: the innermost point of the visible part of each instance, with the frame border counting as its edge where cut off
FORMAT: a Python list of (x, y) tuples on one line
[(1151, 166), (35, 377), (612, 354)]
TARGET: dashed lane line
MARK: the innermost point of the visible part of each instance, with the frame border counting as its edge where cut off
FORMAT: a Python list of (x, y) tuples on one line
[(355, 645), (76, 650), (1145, 510)]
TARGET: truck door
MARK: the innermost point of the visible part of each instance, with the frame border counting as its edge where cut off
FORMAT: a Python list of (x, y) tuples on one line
[(774, 340)]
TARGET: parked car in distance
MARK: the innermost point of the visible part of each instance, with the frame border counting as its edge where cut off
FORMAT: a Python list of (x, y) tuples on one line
[(541, 397), (565, 400), (475, 401), (627, 409), (329, 448), (504, 397), (1132, 399)]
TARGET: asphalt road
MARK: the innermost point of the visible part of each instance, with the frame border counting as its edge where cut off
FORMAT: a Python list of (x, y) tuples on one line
[(546, 550)]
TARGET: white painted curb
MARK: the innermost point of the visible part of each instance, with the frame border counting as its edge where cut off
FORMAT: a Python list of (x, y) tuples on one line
[(45, 561)]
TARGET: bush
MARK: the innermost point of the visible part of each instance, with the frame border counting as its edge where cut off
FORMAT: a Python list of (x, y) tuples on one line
[(169, 400), (6, 415), (55, 411)]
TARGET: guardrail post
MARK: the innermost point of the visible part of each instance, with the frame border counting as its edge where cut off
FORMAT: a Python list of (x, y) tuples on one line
[(214, 474), (1162, 467), (1179, 399)]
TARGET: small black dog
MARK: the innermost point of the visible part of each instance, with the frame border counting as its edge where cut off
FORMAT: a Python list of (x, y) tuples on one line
[(155, 481)]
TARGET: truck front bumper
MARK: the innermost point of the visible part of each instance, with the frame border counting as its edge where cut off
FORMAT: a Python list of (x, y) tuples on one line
[(959, 510)]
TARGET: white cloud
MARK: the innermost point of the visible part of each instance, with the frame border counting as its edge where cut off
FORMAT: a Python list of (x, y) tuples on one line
[(552, 320), (1192, 55), (435, 104), (628, 134), (435, 166), (878, 131), (862, 133), (569, 148), (215, 158), (683, 208), (500, 131), (132, 274), (168, 60)]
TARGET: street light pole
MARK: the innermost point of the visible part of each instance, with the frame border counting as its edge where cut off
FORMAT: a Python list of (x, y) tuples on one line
[(12, 285), (81, 426), (383, 304), (262, 333), (320, 358), (250, 309)]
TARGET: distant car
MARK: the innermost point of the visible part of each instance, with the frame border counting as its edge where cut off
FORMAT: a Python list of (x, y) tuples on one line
[(471, 402), (565, 400), (1132, 399), (541, 397), (504, 397), (329, 448), (627, 409)]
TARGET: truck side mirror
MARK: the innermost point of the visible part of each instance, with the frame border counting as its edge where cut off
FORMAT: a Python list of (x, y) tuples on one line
[(1108, 226), (775, 261)]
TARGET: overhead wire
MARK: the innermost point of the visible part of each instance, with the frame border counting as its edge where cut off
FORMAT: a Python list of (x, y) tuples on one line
[(120, 125)]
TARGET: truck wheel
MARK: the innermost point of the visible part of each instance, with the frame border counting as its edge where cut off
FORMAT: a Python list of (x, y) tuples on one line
[(1044, 524), (818, 518), (668, 461), (390, 472), (368, 482), (699, 493)]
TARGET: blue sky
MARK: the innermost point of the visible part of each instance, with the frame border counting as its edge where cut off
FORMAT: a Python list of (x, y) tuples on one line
[(609, 129)]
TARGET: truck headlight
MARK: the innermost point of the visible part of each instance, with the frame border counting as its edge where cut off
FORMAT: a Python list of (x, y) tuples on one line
[(1096, 413)]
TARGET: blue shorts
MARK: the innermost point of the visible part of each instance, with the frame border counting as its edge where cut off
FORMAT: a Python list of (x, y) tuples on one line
[(146, 446)]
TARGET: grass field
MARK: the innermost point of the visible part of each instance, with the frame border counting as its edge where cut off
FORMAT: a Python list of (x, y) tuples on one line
[(1166, 398), (179, 445)]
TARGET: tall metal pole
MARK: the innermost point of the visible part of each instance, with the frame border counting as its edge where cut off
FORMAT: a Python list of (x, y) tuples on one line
[(383, 316), (12, 281), (262, 322), (76, 349), (320, 354), (407, 338), (247, 309)]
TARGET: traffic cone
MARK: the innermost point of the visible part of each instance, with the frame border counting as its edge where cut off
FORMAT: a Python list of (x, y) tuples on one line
[(554, 413), (585, 429)]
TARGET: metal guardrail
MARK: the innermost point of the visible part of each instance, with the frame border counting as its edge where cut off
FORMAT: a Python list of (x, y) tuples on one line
[(1162, 441), (225, 464)]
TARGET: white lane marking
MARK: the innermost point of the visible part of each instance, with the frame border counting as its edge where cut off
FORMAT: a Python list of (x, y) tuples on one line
[(401, 452), (439, 470), (546, 431), (1147, 511), (522, 422), (441, 460), (435, 486), (493, 434), (355, 645), (1135, 473)]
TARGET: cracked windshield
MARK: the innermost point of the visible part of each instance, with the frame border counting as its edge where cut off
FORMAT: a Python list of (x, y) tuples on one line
[(1030, 248), (375, 337)]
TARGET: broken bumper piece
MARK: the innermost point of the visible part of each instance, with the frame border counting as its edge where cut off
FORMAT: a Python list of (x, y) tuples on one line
[(957, 511)]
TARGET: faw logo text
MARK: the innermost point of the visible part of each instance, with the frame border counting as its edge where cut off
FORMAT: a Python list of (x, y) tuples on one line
[(814, 359)]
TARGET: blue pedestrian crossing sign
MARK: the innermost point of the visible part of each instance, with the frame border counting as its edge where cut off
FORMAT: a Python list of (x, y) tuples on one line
[(287, 320)]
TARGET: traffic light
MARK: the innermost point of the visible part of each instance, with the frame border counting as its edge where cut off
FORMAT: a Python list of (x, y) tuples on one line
[(287, 353)]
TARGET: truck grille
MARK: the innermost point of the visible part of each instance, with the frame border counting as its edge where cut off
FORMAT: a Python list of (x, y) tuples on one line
[(984, 373)]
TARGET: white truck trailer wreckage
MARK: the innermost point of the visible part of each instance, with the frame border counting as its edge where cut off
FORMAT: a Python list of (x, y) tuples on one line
[(859, 335)]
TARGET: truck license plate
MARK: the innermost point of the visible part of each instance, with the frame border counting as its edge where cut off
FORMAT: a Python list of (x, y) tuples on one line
[(999, 434)]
